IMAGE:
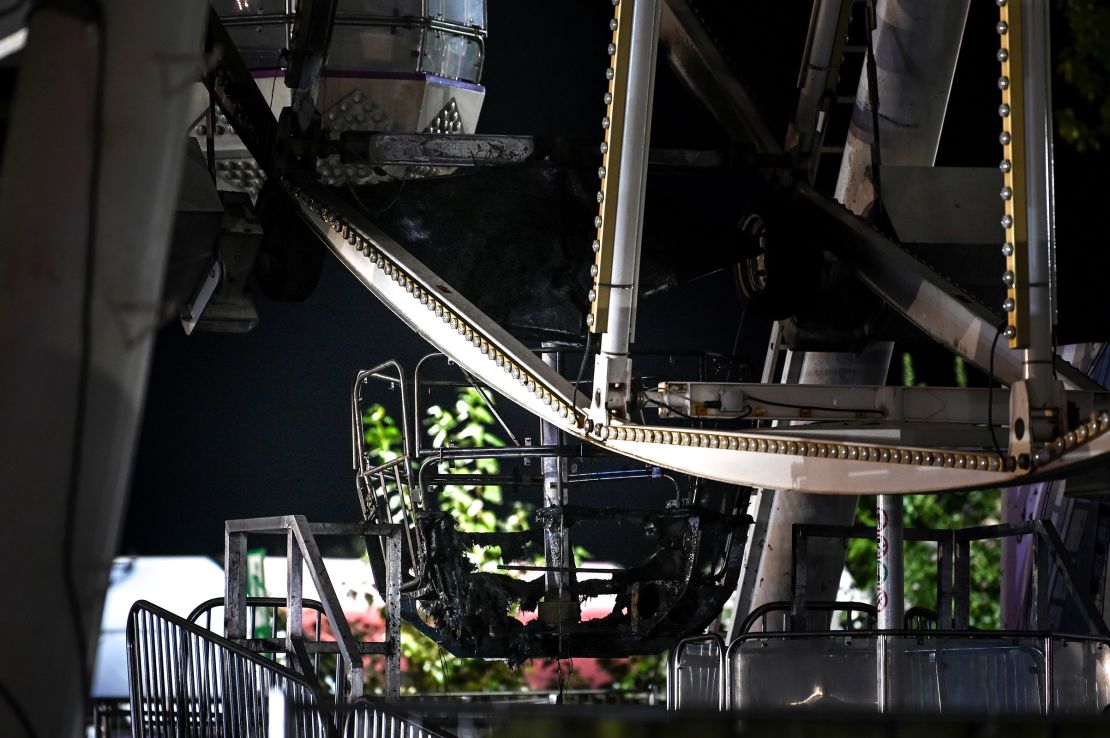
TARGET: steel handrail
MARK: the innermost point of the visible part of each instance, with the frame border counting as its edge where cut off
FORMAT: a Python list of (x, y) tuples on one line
[(370, 718), (186, 680), (829, 606), (673, 666)]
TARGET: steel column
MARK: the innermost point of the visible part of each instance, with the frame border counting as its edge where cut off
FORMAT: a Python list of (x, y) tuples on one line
[(93, 159), (1037, 359), (556, 551), (916, 46), (818, 77), (615, 303), (393, 563), (889, 571)]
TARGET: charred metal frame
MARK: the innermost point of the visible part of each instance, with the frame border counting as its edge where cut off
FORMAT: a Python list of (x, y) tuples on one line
[(468, 606), (233, 88)]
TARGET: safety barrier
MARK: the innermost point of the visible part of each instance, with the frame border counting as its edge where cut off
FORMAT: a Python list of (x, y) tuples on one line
[(186, 681)]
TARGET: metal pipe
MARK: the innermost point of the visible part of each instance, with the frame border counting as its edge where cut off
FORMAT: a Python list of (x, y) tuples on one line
[(555, 541), (819, 73), (1037, 360), (916, 44), (612, 368), (889, 569), (629, 224), (84, 257)]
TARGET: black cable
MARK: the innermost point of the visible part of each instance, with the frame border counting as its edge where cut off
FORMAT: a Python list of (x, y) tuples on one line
[(669, 408), (855, 410), (990, 394), (679, 413), (582, 367), (443, 669), (80, 415)]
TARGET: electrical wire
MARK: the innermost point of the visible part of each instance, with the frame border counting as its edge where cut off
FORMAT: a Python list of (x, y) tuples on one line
[(854, 410), (581, 368), (679, 413), (990, 394)]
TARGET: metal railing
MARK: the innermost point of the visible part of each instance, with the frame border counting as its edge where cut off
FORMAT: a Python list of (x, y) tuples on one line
[(919, 618), (992, 672), (301, 549), (186, 681), (273, 628), (696, 674), (372, 719), (824, 609), (954, 570), (109, 718)]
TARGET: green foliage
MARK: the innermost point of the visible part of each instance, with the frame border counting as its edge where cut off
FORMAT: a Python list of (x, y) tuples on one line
[(477, 508), (957, 510), (909, 379), (960, 369), (474, 508), (943, 511), (1083, 65), (638, 673), (429, 669), (381, 434)]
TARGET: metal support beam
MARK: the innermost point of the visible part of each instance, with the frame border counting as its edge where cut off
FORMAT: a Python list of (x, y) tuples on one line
[(701, 66), (235, 584), (237, 94), (311, 39), (820, 72), (559, 604), (890, 570), (300, 536), (962, 620), (92, 167), (812, 402), (393, 564), (916, 46), (930, 301), (945, 555), (620, 219), (1039, 407)]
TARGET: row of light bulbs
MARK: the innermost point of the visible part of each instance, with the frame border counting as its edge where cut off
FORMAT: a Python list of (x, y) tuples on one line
[(606, 126), (1009, 277)]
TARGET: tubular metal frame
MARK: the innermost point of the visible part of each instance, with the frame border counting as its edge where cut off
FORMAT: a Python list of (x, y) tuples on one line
[(273, 604), (301, 549), (954, 568), (187, 681), (674, 665)]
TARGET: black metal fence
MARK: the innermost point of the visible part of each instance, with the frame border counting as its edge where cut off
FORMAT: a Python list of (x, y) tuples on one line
[(186, 681)]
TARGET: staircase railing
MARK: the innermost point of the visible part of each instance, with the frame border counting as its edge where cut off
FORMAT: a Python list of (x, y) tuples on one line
[(186, 681), (372, 719)]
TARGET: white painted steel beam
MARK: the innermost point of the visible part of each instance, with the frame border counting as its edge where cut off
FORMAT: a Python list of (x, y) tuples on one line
[(453, 325)]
